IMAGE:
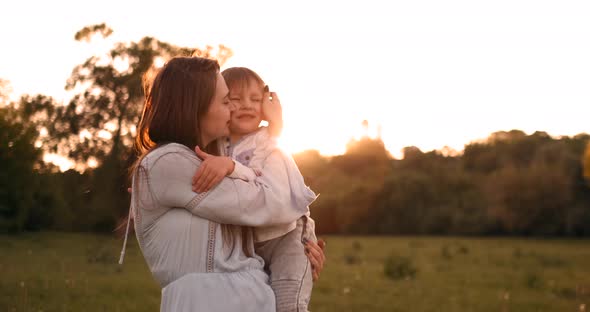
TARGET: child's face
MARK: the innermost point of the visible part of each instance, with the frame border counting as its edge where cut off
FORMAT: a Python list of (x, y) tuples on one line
[(247, 115)]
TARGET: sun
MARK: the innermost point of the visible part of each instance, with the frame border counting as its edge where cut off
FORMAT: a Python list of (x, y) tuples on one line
[(298, 137)]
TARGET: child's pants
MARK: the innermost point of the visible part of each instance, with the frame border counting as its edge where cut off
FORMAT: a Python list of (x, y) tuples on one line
[(288, 266)]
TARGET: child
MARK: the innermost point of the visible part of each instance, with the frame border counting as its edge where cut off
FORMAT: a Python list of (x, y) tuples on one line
[(281, 247)]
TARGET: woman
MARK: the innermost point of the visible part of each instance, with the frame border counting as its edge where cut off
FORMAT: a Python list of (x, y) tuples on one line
[(200, 260)]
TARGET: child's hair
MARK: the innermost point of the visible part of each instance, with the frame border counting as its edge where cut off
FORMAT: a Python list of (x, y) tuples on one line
[(240, 77)]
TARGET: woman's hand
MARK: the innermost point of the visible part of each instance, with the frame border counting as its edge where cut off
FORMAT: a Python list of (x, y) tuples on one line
[(211, 171), (315, 254)]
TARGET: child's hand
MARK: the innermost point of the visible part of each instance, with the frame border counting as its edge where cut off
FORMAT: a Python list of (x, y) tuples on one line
[(272, 111), (211, 171), (271, 107), (315, 254)]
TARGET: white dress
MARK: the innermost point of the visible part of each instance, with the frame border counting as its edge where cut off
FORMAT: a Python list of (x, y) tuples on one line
[(180, 237)]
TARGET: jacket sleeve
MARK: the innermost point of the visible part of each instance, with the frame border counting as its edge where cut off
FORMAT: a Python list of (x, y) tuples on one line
[(242, 172), (264, 201), (265, 146)]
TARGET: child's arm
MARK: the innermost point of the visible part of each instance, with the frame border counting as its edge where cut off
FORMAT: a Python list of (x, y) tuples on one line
[(266, 138), (267, 145), (243, 172), (214, 168)]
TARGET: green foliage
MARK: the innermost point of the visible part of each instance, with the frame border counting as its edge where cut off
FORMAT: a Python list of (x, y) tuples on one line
[(511, 184), (18, 156), (428, 193), (98, 125), (87, 32), (99, 121), (72, 201), (586, 163), (348, 184), (503, 149), (370, 148)]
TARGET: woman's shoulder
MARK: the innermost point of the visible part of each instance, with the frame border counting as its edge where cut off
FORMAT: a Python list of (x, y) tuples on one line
[(168, 152)]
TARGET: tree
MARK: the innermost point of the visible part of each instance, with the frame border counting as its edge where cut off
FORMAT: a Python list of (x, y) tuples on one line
[(531, 201), (98, 124), (99, 121), (586, 163), (5, 90), (368, 147), (18, 156), (347, 184)]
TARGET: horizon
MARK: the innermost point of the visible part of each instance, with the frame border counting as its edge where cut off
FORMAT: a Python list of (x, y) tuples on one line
[(66, 164)]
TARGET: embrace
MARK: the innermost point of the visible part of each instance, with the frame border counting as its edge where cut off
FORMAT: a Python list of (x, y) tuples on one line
[(220, 212)]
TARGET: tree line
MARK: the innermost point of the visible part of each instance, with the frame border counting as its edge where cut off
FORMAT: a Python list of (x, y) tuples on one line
[(510, 184)]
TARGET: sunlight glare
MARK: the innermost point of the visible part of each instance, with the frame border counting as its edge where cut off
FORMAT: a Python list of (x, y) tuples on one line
[(92, 163), (159, 62), (121, 64), (105, 134), (62, 162)]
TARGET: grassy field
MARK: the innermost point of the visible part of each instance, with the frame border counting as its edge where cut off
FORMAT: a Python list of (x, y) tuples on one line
[(78, 272)]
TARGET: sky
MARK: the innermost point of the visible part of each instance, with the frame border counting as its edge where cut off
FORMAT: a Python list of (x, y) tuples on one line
[(428, 73)]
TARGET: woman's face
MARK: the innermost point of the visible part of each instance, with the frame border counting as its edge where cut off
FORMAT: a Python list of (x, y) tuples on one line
[(215, 123)]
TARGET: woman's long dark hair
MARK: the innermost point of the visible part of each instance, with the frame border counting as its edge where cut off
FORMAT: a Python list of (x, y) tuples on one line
[(180, 93), (175, 100)]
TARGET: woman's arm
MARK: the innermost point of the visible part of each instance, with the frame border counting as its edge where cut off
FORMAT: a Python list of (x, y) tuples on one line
[(263, 202)]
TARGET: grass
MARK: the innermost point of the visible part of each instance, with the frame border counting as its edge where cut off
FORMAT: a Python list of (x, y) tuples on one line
[(79, 272)]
